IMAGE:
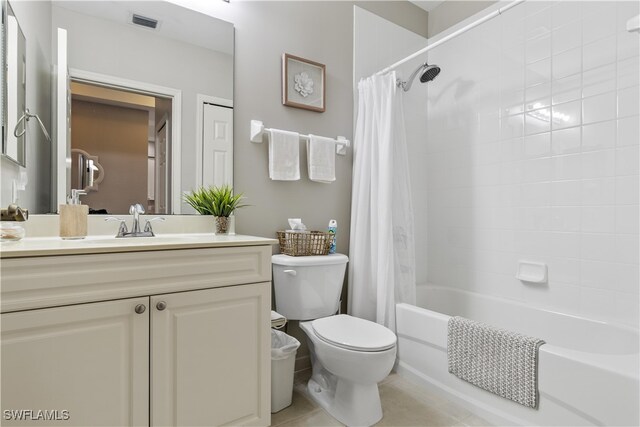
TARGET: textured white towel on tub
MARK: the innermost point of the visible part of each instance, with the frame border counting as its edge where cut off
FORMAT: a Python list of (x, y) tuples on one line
[(500, 361), (321, 159), (284, 155)]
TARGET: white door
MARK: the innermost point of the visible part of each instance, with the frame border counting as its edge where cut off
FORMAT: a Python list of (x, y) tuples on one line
[(217, 150), (91, 360), (62, 157), (210, 357)]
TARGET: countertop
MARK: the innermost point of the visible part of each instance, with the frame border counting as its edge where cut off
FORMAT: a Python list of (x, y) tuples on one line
[(53, 246)]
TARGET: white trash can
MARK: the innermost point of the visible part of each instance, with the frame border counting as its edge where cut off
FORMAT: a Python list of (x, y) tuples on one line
[(283, 359)]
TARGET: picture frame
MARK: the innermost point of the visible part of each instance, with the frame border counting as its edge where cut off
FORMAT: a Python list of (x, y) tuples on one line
[(303, 83)]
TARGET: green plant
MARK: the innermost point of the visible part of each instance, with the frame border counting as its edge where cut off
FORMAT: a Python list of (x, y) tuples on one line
[(216, 201)]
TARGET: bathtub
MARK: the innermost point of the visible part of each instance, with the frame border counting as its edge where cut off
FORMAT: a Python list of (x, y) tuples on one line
[(588, 370)]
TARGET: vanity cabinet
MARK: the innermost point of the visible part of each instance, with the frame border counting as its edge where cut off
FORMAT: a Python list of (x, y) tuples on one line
[(208, 364), (191, 349), (91, 360)]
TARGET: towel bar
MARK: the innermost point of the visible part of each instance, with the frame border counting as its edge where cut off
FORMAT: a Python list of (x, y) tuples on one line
[(258, 130)]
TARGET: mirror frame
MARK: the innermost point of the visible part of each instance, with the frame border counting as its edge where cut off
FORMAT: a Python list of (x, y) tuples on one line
[(3, 65), (21, 141)]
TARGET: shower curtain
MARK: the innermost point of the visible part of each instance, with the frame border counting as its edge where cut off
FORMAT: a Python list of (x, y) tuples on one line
[(382, 260)]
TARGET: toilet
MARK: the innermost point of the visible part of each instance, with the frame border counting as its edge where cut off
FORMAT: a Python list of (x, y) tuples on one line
[(349, 355)]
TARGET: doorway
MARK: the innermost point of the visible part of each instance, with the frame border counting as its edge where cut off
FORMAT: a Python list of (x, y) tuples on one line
[(129, 133)]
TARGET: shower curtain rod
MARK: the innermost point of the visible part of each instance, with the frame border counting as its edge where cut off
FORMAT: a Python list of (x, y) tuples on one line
[(450, 36)]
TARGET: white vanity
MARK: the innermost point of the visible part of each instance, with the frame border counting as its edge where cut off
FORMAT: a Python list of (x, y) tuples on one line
[(172, 331)]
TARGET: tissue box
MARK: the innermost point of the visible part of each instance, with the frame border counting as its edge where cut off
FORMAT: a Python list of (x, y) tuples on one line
[(305, 243)]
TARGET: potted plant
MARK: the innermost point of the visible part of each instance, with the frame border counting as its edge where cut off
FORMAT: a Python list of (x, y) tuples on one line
[(217, 201)]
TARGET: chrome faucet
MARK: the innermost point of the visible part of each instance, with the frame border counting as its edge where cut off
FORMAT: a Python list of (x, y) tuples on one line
[(135, 210)]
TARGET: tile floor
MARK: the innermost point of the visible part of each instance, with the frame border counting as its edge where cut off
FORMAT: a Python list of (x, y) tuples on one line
[(403, 404)]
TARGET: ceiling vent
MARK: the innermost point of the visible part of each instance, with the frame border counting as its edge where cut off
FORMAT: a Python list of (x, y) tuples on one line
[(143, 21)]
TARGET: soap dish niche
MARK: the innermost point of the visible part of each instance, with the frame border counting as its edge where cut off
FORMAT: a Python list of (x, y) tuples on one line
[(532, 272)]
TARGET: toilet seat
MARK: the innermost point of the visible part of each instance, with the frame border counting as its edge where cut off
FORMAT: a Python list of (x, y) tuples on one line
[(353, 333)]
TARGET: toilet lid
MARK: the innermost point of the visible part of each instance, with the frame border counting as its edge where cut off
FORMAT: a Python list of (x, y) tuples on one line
[(354, 333)]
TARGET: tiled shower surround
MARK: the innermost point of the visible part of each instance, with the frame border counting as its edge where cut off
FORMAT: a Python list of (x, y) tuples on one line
[(532, 154)]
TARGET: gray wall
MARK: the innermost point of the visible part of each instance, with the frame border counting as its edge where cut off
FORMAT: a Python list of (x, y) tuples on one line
[(35, 20), (402, 13), (451, 12), (264, 31)]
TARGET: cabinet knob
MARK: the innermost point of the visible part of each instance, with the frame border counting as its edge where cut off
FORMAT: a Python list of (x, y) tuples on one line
[(140, 308), (161, 305)]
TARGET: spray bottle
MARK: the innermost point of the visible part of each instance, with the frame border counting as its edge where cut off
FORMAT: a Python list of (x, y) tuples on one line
[(333, 228)]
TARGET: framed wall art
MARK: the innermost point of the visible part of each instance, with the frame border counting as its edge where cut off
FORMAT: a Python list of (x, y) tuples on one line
[(303, 83)]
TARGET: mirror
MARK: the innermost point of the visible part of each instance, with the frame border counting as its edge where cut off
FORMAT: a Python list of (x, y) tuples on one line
[(181, 58), (185, 63), (13, 87)]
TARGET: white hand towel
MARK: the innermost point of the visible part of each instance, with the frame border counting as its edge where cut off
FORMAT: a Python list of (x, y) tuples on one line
[(321, 159), (284, 155)]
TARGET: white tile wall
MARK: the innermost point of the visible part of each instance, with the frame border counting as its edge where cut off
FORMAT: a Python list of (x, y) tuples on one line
[(532, 153)]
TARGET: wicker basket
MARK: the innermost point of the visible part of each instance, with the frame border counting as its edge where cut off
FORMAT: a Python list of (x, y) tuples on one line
[(305, 243)]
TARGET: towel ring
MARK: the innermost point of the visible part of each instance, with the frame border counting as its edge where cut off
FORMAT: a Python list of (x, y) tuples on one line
[(25, 118)]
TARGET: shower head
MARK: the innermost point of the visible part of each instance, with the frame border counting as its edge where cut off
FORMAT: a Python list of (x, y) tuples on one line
[(429, 72)]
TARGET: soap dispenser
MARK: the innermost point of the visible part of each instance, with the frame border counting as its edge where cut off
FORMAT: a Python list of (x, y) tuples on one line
[(74, 217)]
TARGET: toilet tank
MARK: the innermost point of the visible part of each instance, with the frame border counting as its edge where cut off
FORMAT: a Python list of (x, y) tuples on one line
[(308, 287)]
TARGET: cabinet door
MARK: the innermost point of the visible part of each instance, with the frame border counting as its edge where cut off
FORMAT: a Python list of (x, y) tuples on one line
[(91, 360), (210, 357)]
